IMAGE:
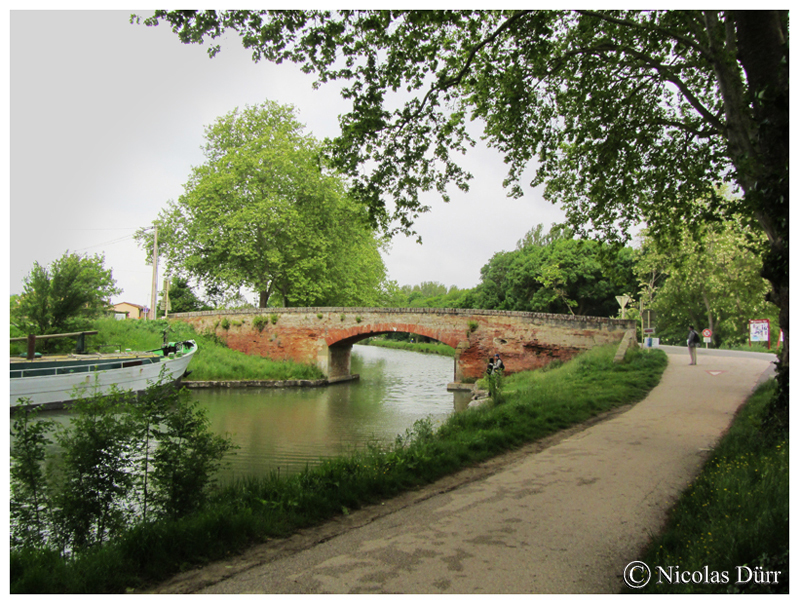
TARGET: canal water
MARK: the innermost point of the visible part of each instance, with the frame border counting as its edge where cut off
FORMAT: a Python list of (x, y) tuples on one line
[(287, 429)]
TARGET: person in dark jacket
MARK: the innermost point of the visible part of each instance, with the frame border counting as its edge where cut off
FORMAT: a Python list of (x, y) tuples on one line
[(692, 341), (499, 366)]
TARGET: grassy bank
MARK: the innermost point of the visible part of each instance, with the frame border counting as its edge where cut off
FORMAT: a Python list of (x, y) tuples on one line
[(213, 360), (736, 513), (430, 348), (537, 404)]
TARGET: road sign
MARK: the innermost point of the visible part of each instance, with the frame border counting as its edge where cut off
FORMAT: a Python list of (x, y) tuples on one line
[(707, 333), (623, 301), (759, 331), (649, 330)]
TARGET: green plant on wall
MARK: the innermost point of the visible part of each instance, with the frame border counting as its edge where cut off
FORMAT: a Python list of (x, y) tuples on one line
[(226, 324), (274, 318), (260, 322)]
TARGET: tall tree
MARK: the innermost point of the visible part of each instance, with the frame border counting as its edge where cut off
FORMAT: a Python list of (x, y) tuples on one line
[(264, 212), (182, 298), (630, 115), (65, 296), (708, 280), (555, 273)]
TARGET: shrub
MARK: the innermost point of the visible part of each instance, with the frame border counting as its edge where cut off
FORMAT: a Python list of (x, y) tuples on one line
[(260, 322)]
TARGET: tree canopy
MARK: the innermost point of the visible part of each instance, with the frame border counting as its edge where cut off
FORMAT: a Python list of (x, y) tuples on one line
[(556, 273), (182, 298), (65, 296), (710, 281), (263, 212), (627, 116)]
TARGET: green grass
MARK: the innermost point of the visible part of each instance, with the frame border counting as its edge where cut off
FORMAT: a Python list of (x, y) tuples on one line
[(255, 509), (735, 513), (431, 348), (213, 360)]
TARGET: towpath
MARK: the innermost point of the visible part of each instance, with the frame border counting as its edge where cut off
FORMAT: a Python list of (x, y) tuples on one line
[(563, 516)]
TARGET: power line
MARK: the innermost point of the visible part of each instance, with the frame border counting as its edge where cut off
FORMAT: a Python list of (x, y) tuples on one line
[(113, 241)]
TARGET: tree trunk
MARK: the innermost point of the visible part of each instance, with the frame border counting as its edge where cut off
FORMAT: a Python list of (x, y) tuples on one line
[(710, 315), (763, 50)]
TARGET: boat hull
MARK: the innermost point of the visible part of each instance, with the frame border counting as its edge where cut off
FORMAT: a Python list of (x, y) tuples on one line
[(59, 389)]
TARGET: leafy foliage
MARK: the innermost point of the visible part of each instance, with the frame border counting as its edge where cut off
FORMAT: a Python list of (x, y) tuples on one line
[(710, 280), (539, 403), (548, 273), (625, 110), (65, 296), (557, 274), (187, 456), (627, 116), (30, 521), (120, 461), (183, 299), (90, 502), (264, 212)]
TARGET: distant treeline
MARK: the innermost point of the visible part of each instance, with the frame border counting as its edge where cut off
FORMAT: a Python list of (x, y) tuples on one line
[(708, 278)]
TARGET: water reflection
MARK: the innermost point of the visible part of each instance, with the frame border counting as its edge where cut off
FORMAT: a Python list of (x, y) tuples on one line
[(287, 429)]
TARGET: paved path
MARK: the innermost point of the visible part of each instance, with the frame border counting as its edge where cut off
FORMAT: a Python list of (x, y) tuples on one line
[(564, 520)]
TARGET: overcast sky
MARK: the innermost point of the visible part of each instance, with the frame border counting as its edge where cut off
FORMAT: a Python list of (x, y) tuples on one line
[(107, 119)]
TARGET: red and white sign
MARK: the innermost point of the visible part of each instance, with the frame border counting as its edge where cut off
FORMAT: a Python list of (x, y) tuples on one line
[(707, 333), (759, 331)]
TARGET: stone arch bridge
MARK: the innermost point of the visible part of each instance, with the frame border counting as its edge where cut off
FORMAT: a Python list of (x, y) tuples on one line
[(324, 336)]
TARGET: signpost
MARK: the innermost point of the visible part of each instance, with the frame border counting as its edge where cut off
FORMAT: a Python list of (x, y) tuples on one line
[(648, 328), (623, 302), (707, 336), (166, 305), (759, 331)]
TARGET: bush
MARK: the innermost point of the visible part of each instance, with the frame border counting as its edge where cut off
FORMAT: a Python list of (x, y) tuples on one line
[(537, 404), (122, 462)]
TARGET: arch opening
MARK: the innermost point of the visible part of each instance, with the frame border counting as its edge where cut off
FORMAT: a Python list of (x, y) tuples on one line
[(339, 351)]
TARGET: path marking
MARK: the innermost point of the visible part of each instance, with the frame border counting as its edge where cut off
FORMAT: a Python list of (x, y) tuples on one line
[(716, 372)]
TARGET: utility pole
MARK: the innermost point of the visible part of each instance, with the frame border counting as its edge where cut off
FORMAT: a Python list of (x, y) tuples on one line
[(155, 275), (165, 304)]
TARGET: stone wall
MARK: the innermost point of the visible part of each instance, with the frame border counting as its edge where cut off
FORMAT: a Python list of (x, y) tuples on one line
[(324, 336)]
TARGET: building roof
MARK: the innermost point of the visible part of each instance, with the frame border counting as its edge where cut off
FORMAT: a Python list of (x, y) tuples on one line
[(127, 303)]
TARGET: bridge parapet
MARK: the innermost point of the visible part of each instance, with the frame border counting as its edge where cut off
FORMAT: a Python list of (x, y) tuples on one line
[(324, 335)]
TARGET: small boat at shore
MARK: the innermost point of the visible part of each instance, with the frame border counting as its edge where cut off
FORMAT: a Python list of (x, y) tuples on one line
[(51, 382)]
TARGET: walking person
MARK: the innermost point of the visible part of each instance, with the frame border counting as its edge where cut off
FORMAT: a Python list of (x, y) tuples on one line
[(692, 341)]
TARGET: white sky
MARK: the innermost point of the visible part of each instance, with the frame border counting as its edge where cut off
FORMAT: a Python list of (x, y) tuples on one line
[(107, 118)]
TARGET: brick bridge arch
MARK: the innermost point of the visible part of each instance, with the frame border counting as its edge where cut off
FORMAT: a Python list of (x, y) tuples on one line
[(325, 336)]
